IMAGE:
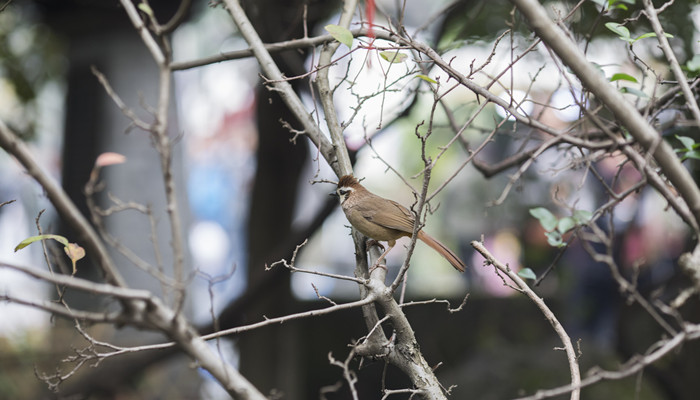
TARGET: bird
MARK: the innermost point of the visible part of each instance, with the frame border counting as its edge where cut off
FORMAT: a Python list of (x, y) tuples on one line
[(383, 219)]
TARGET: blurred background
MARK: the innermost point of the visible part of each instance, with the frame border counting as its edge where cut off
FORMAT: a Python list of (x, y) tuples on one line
[(248, 200)]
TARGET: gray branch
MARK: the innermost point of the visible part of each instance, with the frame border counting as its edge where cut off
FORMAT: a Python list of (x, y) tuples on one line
[(280, 84), (605, 92)]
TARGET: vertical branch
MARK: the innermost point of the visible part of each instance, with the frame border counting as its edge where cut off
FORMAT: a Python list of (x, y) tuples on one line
[(165, 151), (406, 354), (671, 57), (326, 95), (172, 322), (162, 56), (420, 204)]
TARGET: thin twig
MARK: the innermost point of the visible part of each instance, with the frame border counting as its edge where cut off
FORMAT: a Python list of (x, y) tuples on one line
[(653, 17)]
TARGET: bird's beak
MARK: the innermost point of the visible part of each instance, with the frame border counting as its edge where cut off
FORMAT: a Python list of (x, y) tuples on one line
[(333, 193)]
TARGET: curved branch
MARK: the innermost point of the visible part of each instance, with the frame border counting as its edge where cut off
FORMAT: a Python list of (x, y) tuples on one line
[(558, 328), (633, 366), (177, 18), (65, 207)]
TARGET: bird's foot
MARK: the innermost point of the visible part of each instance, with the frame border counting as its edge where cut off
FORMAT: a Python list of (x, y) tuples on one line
[(372, 242)]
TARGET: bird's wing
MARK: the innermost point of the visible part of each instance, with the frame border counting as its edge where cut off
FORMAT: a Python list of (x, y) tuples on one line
[(389, 214)]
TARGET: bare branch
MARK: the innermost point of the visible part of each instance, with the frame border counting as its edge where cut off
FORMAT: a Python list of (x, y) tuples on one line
[(271, 48), (326, 96), (283, 87), (624, 111), (404, 354), (651, 14), (65, 207), (117, 292), (633, 366), (435, 301), (176, 19), (558, 328), (141, 28), (57, 309), (129, 113), (349, 375), (290, 317)]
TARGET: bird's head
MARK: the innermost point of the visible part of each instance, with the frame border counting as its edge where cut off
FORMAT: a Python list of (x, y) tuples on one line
[(346, 187)]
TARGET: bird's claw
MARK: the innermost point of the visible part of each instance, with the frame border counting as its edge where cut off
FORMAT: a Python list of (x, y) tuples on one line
[(372, 242)]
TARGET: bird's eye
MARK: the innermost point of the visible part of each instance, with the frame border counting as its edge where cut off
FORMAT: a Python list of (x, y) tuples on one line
[(343, 192)]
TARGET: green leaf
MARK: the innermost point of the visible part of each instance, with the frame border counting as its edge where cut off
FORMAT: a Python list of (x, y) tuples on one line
[(596, 66), (554, 239), (546, 218), (527, 273), (613, 4), (73, 251), (26, 242), (340, 34), (622, 77), (687, 142), (633, 91), (649, 35), (146, 8), (693, 64), (619, 30), (394, 57), (694, 154), (583, 217), (646, 35), (426, 78), (565, 224)]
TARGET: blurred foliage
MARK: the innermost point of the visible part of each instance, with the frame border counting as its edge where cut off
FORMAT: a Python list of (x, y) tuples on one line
[(19, 357), (472, 20), (30, 58)]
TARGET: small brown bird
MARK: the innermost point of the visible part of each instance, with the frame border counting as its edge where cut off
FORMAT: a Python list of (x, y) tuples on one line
[(383, 219)]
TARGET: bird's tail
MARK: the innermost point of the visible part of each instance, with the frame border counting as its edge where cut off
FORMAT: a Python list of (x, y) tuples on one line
[(443, 250)]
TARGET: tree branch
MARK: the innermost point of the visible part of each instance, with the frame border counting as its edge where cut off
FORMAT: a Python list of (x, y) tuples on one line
[(271, 48), (633, 366), (65, 207), (325, 93), (285, 90), (558, 328), (624, 111), (692, 104)]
